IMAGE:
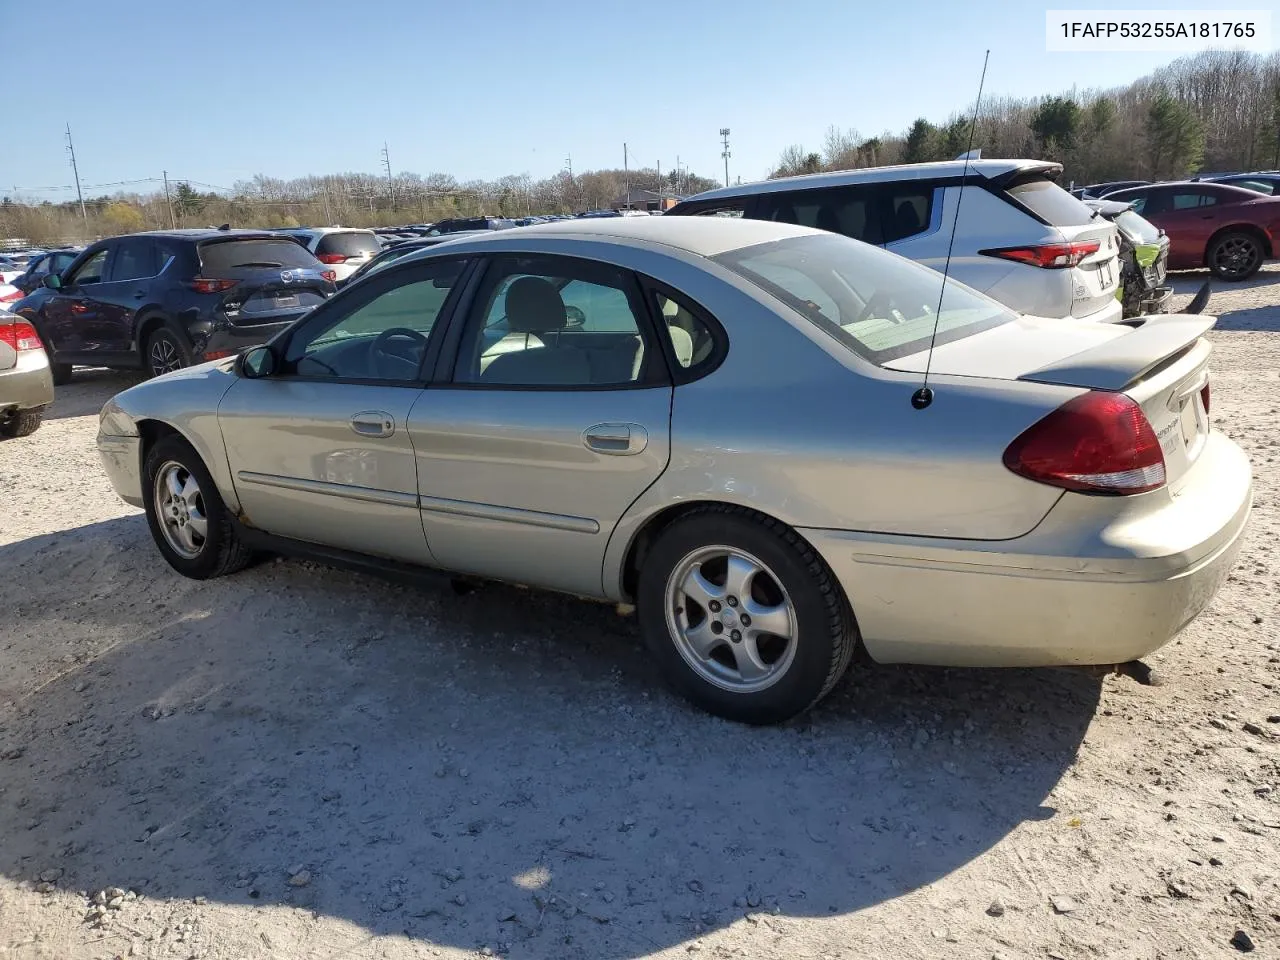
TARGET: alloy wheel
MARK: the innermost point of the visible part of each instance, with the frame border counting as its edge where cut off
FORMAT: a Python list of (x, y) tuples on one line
[(164, 356), (731, 619), (1236, 255), (180, 508)]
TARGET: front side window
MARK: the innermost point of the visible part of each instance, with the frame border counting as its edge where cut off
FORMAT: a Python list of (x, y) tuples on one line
[(875, 303), (381, 334), (549, 321), (91, 270), (850, 211)]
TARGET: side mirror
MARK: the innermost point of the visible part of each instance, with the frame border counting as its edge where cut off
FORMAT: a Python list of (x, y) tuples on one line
[(256, 362), (52, 281)]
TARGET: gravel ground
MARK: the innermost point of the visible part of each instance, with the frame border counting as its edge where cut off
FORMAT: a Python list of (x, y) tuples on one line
[(299, 762)]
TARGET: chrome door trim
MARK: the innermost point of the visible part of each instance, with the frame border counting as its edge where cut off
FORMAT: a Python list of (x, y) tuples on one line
[(489, 511), (351, 492)]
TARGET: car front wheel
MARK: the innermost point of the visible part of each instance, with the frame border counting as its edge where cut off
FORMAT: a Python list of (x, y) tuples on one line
[(188, 520), (1235, 256), (743, 616)]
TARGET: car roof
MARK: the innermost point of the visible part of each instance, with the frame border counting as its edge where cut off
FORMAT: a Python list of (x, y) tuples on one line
[(321, 230), (1195, 184), (991, 169), (198, 233), (702, 236)]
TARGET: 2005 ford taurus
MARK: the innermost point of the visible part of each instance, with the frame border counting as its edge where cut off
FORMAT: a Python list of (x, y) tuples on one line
[(713, 419)]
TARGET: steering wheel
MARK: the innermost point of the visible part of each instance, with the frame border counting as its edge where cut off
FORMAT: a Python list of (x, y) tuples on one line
[(391, 364)]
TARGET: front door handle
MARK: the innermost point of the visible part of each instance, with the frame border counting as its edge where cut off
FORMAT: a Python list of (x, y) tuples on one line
[(616, 439), (373, 423), (139, 294)]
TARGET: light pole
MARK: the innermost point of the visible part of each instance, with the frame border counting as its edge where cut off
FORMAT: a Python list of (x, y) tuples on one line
[(724, 135)]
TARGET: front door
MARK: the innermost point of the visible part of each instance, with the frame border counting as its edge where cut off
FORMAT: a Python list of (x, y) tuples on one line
[(321, 451), (72, 316), (554, 418)]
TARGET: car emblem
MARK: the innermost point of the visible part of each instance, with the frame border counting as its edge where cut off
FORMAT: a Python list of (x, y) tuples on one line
[(286, 276)]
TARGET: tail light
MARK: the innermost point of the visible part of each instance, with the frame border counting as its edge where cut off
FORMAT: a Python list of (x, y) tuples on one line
[(219, 354), (1204, 398), (20, 336), (1096, 443), (206, 285), (12, 297), (331, 257), (1051, 256), (330, 275)]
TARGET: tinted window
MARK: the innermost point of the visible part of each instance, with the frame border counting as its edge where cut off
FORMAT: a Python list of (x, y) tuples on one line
[(727, 208), (348, 244), (383, 334), (1188, 199), (847, 210), (91, 270), (222, 255), (878, 305), (545, 321), (908, 210), (134, 260), (1260, 186), (1051, 203)]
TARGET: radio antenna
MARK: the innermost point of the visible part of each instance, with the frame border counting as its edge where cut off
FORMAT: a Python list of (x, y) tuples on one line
[(924, 396)]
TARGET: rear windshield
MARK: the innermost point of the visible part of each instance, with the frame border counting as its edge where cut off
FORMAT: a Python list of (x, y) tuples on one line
[(348, 244), (219, 255), (879, 305), (1139, 228), (1051, 203)]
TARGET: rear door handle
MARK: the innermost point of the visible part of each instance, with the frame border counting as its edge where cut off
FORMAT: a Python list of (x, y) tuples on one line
[(138, 295), (373, 423), (616, 439), (79, 308)]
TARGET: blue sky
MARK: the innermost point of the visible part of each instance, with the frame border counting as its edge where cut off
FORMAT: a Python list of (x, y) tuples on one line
[(489, 87)]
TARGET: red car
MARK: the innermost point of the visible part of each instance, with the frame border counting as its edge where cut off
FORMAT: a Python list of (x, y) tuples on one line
[(1228, 229)]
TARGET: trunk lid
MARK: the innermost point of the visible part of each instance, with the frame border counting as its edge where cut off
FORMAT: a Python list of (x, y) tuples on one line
[(1160, 361)]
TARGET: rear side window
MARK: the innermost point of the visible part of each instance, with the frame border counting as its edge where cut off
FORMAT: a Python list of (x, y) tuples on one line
[(223, 255), (850, 211), (908, 210), (135, 260), (1051, 203), (1190, 199), (729, 208), (348, 244)]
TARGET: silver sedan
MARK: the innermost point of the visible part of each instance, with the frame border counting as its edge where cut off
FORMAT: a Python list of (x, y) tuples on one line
[(726, 423)]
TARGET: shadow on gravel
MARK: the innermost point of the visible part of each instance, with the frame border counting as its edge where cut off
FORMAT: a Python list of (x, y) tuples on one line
[(88, 391), (502, 768)]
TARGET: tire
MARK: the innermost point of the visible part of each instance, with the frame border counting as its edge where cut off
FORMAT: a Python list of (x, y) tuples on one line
[(219, 550), (166, 352), (785, 677), (21, 423), (1235, 255)]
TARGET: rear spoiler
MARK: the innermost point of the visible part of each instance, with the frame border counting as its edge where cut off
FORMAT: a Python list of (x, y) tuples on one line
[(1122, 360), (1027, 169)]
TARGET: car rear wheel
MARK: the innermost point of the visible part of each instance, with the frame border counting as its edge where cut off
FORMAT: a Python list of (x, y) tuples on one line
[(61, 373), (188, 520), (166, 352), (744, 618), (1235, 256), (20, 423)]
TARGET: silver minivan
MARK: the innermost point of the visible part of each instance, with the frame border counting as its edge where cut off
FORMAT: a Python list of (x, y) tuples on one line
[(1020, 239)]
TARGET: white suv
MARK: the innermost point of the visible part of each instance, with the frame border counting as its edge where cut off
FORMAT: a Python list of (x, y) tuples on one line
[(1021, 238), (343, 249)]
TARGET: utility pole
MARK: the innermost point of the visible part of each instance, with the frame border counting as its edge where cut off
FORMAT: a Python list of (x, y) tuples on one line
[(74, 169), (328, 213), (724, 134), (679, 177), (167, 201), (659, 186), (391, 185), (626, 175), (572, 185)]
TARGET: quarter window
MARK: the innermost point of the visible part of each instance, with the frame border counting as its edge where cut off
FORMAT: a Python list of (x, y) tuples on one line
[(692, 342)]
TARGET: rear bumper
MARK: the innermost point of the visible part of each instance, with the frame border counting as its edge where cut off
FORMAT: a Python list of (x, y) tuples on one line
[(1110, 312), (28, 384), (225, 339), (120, 461), (1079, 589)]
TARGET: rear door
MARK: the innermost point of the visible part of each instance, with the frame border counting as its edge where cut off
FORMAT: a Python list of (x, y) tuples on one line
[(127, 287), (551, 417), (321, 451)]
